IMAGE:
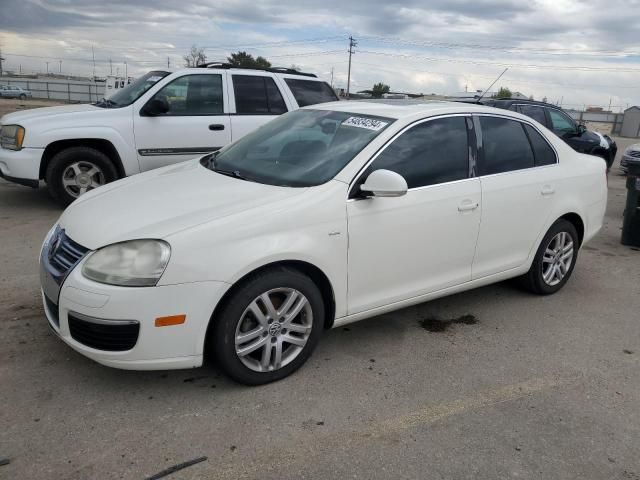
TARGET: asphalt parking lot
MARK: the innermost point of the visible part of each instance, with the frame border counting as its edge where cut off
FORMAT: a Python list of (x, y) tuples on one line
[(527, 387)]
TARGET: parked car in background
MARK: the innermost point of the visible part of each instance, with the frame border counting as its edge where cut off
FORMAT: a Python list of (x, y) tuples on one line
[(324, 216), (632, 152), (11, 91), (159, 119), (558, 121)]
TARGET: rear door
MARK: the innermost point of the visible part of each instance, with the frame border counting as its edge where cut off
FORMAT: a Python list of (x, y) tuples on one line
[(517, 188), (197, 121), (310, 92), (534, 111), (255, 98)]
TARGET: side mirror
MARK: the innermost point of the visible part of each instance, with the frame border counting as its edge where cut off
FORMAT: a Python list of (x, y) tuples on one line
[(156, 106), (581, 129), (384, 183)]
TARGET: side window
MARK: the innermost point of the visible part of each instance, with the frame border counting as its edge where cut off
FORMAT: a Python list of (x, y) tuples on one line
[(542, 151), (537, 113), (561, 123), (308, 92), (256, 95), (505, 146), (432, 152), (194, 95)]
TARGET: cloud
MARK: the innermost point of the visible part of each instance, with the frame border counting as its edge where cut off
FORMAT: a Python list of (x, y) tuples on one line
[(442, 39)]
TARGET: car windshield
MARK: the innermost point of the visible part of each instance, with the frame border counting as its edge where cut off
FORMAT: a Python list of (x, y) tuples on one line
[(133, 91), (299, 149)]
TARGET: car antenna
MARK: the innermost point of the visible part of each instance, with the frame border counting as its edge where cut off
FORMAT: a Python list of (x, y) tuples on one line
[(485, 92)]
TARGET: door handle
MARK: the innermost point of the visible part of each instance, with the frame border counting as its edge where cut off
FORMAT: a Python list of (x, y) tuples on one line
[(467, 206), (216, 126), (547, 190)]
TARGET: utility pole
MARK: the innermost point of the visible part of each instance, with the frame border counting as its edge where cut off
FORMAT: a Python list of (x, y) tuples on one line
[(168, 63), (1, 60), (47, 67), (352, 45), (609, 109), (93, 56), (110, 67), (126, 74), (331, 77), (60, 65)]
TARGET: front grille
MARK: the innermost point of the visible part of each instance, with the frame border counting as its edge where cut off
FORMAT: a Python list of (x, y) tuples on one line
[(53, 310), (634, 153), (112, 336), (66, 253)]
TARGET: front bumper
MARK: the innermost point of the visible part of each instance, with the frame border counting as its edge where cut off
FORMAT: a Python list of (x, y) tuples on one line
[(154, 348), (21, 166)]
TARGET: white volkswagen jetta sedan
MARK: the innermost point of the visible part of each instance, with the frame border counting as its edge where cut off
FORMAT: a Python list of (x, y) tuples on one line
[(324, 216)]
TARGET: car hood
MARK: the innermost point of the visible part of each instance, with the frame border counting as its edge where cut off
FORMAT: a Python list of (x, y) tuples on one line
[(48, 112), (161, 202)]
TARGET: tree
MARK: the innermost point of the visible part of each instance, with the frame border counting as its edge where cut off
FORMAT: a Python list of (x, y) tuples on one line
[(195, 57), (379, 89), (504, 92), (246, 60)]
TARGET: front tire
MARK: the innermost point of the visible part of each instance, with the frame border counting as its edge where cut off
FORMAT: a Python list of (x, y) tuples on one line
[(554, 261), (77, 170), (23, 97), (268, 327)]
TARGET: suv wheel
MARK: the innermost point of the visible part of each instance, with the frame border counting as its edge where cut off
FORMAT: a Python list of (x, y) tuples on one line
[(268, 327), (77, 170), (23, 97), (554, 261)]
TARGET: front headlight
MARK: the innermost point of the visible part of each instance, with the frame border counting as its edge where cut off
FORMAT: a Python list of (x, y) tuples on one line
[(11, 137), (136, 263)]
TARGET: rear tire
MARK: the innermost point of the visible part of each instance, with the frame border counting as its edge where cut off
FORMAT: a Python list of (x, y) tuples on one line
[(554, 261), (76, 170), (270, 344), (23, 97)]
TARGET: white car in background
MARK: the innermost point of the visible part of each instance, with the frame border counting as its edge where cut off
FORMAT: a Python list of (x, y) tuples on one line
[(324, 216), (159, 119)]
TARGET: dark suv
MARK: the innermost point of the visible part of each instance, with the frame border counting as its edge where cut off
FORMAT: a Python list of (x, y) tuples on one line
[(555, 119)]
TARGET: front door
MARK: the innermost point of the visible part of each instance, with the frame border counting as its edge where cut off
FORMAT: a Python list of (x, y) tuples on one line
[(197, 121), (424, 241)]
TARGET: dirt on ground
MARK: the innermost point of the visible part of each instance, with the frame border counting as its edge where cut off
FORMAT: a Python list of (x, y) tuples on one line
[(8, 105)]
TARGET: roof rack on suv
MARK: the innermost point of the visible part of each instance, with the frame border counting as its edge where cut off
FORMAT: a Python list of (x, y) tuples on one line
[(269, 69)]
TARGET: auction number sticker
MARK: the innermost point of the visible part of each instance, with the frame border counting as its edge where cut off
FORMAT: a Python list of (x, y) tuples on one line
[(362, 122)]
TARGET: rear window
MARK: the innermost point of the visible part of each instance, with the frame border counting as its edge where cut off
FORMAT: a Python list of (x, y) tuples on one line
[(308, 92)]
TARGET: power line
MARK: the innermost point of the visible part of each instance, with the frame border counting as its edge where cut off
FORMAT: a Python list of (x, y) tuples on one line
[(585, 68), (502, 48)]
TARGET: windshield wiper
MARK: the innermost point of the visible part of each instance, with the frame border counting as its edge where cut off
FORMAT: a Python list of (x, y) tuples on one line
[(221, 171), (105, 102)]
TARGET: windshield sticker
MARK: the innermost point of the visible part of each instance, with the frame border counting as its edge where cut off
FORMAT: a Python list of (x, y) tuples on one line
[(362, 122), (153, 79)]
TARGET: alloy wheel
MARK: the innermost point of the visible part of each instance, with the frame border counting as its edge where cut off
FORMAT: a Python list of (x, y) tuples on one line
[(273, 329), (80, 177), (557, 258)]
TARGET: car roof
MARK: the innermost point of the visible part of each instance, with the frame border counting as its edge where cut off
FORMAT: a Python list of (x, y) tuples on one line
[(405, 109), (284, 72), (511, 101)]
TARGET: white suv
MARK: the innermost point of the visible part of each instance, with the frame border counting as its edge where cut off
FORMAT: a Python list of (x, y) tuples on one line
[(160, 119)]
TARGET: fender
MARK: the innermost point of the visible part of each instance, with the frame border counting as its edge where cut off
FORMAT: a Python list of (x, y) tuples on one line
[(124, 144)]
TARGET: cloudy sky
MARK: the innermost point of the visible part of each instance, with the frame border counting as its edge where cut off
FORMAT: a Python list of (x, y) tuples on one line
[(582, 52)]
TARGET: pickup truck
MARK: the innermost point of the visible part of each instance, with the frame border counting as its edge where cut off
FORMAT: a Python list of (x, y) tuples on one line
[(159, 119)]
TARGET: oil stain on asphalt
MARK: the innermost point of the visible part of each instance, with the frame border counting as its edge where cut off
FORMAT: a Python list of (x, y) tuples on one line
[(436, 325)]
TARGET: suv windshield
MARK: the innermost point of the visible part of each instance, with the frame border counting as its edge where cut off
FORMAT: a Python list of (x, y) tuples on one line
[(298, 149), (133, 91)]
